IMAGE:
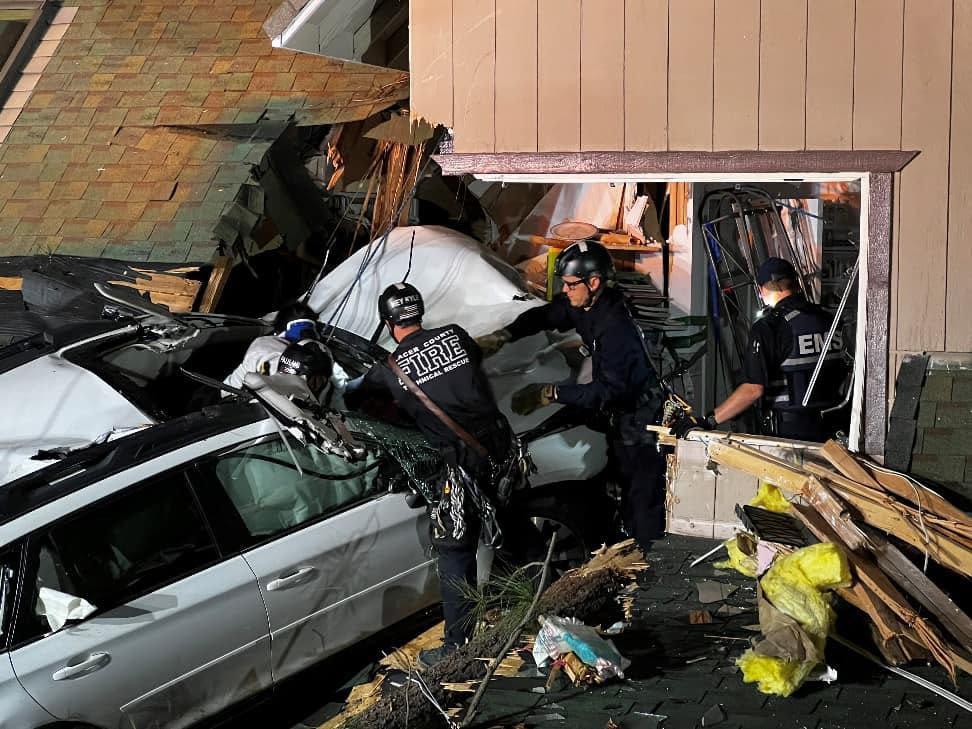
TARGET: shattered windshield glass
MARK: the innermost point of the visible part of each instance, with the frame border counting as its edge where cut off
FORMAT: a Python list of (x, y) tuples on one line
[(419, 461)]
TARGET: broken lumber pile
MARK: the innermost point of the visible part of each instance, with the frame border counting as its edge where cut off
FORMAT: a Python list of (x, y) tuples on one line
[(863, 508)]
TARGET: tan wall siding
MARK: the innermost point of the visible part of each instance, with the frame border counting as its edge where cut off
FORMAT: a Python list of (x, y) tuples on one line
[(652, 75)]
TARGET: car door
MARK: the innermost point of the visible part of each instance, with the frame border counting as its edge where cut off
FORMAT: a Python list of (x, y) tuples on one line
[(161, 630), (336, 555)]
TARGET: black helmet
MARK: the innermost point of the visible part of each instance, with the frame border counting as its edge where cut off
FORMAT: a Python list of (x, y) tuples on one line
[(401, 304), (308, 357), (584, 259)]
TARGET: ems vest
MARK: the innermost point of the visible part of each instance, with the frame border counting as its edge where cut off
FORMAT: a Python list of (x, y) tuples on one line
[(804, 328)]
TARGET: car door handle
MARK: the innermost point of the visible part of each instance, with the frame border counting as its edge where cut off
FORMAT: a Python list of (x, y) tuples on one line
[(90, 664), (292, 579)]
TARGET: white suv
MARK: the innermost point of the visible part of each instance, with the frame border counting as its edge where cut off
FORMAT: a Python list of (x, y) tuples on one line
[(156, 579)]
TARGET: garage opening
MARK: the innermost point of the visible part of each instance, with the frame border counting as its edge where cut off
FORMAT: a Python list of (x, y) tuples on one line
[(687, 255)]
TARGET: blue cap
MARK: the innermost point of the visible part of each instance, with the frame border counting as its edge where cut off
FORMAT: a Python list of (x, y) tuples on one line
[(775, 269)]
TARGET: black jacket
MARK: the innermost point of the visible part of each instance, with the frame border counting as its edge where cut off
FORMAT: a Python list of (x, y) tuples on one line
[(623, 380), (784, 347), (447, 364)]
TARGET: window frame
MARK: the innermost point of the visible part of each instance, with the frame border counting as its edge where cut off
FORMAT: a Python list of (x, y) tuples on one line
[(28, 558), (23, 51)]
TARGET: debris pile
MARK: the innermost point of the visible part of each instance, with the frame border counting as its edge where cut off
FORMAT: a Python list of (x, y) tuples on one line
[(403, 697), (851, 506)]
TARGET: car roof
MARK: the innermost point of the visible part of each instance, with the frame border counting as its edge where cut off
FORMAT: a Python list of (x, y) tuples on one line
[(85, 466)]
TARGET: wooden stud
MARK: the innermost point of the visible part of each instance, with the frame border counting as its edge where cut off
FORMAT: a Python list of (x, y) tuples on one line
[(217, 282)]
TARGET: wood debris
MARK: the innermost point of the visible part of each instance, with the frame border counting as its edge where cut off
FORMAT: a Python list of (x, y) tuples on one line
[(857, 505)]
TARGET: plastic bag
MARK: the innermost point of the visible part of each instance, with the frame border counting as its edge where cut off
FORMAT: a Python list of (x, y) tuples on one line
[(559, 636)]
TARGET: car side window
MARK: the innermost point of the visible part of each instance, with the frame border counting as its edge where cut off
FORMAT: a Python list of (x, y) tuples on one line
[(123, 547), (272, 494)]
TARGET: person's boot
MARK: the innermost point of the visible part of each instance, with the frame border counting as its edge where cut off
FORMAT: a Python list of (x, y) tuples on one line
[(430, 656)]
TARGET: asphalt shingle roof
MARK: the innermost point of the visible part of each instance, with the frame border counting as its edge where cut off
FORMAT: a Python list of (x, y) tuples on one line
[(124, 142)]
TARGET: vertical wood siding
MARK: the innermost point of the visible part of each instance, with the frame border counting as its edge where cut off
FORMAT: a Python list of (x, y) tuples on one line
[(647, 75), (558, 75), (602, 75), (958, 312), (830, 73), (735, 116), (690, 51), (516, 75), (783, 74)]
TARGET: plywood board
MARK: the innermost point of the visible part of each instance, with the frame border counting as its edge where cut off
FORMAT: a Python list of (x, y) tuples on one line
[(879, 33), (430, 63), (830, 74), (474, 31), (782, 74), (690, 48), (602, 75), (691, 500), (735, 115), (646, 83), (558, 75), (922, 248), (516, 75), (958, 293)]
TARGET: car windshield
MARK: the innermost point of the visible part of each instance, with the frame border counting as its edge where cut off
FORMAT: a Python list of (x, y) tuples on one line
[(419, 461)]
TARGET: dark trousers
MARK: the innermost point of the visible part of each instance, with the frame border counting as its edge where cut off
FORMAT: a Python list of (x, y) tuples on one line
[(457, 571), (642, 474)]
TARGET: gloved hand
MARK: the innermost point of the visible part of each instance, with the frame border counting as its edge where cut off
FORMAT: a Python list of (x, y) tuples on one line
[(533, 396), (684, 424), (493, 342)]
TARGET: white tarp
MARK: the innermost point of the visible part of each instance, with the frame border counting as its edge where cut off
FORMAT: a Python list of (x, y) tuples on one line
[(464, 284)]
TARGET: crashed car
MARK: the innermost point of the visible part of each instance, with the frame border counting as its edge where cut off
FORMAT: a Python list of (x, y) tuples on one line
[(165, 554)]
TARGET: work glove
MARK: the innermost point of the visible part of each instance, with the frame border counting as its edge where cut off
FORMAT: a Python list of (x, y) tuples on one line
[(684, 424), (493, 342), (533, 396)]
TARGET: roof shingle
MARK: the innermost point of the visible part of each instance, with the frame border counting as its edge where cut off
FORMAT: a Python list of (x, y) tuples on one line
[(126, 142)]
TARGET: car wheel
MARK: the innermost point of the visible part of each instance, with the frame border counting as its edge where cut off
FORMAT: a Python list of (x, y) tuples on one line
[(530, 523)]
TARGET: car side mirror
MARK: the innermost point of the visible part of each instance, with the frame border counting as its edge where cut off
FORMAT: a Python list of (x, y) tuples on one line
[(415, 500)]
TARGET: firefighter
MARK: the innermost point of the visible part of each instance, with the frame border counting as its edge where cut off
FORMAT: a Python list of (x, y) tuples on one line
[(624, 385), (294, 322), (445, 365), (784, 346)]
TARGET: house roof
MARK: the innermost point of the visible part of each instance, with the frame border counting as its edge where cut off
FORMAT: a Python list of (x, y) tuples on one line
[(145, 120)]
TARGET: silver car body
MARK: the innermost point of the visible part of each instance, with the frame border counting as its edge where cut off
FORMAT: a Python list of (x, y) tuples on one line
[(189, 649)]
